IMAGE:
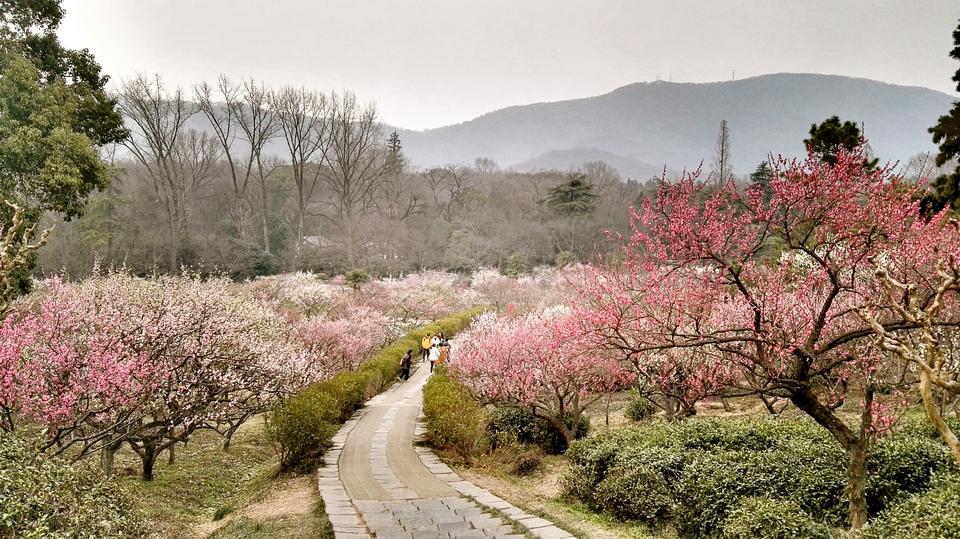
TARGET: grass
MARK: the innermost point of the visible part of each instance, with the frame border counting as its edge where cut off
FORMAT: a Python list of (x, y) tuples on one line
[(310, 526), (207, 484)]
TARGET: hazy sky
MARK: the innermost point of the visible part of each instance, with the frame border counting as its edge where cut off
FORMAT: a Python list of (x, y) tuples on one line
[(434, 62)]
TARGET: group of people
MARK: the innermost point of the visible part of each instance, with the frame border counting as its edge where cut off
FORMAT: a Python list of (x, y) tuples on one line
[(433, 348)]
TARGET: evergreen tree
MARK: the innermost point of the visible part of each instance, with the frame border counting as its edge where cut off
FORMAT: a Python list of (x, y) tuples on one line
[(722, 166), (831, 136), (761, 177), (946, 188), (396, 161), (574, 197)]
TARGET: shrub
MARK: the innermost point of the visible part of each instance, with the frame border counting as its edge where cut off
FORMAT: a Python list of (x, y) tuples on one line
[(455, 421), (526, 462), (639, 407), (765, 518), (530, 429), (42, 496), (302, 426), (929, 515), (697, 472), (349, 390), (901, 465)]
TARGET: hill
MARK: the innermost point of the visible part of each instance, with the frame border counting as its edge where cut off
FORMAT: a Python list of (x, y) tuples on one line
[(647, 126)]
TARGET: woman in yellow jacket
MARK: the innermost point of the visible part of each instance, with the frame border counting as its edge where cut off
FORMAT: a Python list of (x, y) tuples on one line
[(425, 344)]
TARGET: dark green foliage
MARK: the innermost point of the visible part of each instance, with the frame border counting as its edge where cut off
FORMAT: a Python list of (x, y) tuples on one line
[(933, 514), (946, 134), (695, 474), (832, 136), (356, 277), (765, 518), (529, 429), (516, 265), (639, 407), (43, 496), (573, 197)]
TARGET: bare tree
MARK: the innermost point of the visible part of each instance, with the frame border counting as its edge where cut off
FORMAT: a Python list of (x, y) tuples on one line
[(304, 123), (722, 168), (258, 125), (177, 161), (450, 187), (356, 163)]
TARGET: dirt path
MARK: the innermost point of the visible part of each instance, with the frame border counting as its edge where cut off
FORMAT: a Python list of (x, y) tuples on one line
[(378, 484)]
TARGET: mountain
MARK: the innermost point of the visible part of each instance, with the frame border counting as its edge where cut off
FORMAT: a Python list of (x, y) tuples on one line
[(647, 126)]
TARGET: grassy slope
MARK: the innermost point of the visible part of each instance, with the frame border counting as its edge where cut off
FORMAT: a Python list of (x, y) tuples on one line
[(206, 482)]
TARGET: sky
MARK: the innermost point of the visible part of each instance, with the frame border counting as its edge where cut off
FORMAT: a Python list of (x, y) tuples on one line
[(428, 63)]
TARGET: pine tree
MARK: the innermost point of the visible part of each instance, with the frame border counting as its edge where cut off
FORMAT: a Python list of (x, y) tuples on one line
[(833, 135), (396, 161), (946, 188), (574, 197)]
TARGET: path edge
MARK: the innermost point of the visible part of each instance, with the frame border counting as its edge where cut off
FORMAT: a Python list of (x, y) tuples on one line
[(532, 524)]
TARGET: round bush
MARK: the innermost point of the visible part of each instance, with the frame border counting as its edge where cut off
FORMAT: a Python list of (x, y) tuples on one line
[(902, 465), (929, 515), (639, 407), (765, 518), (635, 493), (43, 496), (530, 429), (302, 426)]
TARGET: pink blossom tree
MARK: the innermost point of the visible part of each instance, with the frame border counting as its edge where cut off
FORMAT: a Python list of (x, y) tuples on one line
[(771, 286), (533, 362)]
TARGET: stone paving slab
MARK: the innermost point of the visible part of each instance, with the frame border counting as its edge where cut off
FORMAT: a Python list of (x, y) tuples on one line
[(414, 494)]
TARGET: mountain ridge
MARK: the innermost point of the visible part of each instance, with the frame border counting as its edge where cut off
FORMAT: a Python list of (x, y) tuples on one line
[(674, 124)]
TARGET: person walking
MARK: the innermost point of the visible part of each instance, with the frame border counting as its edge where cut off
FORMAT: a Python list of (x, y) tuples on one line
[(434, 356), (405, 362), (425, 343)]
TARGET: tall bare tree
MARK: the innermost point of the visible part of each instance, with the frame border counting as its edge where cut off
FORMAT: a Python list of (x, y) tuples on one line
[(356, 163), (177, 161), (305, 126), (722, 168)]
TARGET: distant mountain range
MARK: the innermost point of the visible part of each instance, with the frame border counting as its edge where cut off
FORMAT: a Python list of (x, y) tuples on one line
[(640, 128)]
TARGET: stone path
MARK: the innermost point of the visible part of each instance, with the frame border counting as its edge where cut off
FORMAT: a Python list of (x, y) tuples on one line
[(377, 483)]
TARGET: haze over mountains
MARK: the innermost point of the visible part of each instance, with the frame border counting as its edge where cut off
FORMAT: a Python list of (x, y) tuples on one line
[(640, 128)]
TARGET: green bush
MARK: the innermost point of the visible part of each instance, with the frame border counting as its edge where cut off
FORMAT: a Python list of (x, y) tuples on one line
[(929, 515), (349, 391), (901, 465), (302, 426), (765, 518), (695, 473), (639, 407), (42, 496), (455, 421), (530, 429)]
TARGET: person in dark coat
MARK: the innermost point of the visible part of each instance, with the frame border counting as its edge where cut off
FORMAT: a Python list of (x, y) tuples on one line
[(405, 365)]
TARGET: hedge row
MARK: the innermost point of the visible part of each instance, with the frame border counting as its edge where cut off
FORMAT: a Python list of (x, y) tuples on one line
[(699, 474), (302, 426)]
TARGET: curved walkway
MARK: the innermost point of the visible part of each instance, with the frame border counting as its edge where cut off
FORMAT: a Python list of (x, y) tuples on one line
[(376, 483)]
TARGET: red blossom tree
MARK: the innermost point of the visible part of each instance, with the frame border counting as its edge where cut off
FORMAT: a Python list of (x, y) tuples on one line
[(772, 287), (535, 362)]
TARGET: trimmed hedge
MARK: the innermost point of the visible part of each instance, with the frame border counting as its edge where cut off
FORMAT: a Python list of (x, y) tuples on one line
[(695, 474), (302, 426), (455, 421), (43, 496), (930, 515)]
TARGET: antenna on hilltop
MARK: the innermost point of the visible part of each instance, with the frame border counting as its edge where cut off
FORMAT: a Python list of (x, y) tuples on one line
[(733, 76)]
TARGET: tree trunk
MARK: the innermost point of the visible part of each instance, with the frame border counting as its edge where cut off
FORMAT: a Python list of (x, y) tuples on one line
[(857, 484), (149, 457), (172, 454), (855, 446), (933, 413), (107, 453)]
